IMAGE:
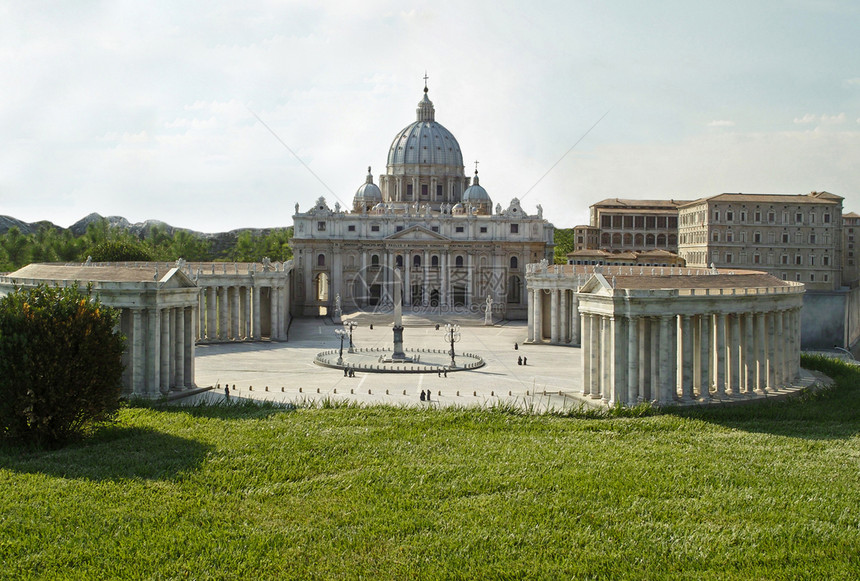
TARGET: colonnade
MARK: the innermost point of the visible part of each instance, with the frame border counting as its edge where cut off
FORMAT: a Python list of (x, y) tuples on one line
[(561, 324), (159, 354), (667, 358), (235, 312)]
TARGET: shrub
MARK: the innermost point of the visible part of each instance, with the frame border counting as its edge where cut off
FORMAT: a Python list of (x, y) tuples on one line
[(60, 363), (122, 250)]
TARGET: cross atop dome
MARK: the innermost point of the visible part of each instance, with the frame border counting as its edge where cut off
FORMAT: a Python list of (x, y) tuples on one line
[(425, 80)]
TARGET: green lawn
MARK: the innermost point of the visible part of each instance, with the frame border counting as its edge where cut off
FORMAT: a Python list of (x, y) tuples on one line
[(758, 492)]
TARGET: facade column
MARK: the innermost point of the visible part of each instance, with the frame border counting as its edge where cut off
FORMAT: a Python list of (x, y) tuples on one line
[(606, 358), (553, 317), (166, 355), (255, 307), (530, 323), (665, 366), (190, 322), (538, 316), (575, 322), (654, 376), (273, 313), (222, 313), (407, 278), (749, 354), (644, 370), (138, 355), (153, 351), (633, 395), (244, 313), (211, 317), (686, 358), (706, 357), (760, 351), (780, 349), (564, 316), (720, 373), (735, 356), (470, 276), (770, 352), (425, 299), (585, 354), (234, 312), (179, 348)]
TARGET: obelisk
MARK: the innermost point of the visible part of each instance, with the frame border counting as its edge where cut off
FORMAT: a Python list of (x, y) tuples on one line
[(398, 353)]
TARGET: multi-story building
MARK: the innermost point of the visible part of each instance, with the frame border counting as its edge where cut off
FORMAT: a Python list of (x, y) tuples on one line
[(850, 233), (793, 237), (630, 225)]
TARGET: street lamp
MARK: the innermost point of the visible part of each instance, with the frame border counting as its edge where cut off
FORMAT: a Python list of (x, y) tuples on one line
[(452, 335), (350, 325), (342, 333)]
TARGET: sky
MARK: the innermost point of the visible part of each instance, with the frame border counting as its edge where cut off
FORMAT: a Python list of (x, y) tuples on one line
[(221, 115)]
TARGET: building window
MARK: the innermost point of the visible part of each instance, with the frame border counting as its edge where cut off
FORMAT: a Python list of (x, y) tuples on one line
[(458, 229), (826, 260), (434, 260), (514, 262), (351, 228), (424, 191), (826, 278), (434, 228), (797, 276), (374, 228), (374, 260), (757, 217), (321, 260), (416, 261), (408, 191), (716, 215), (812, 260), (798, 259), (785, 237), (458, 262), (744, 217), (515, 228), (784, 259), (399, 228), (728, 257), (826, 218), (398, 261), (439, 192), (756, 258), (798, 218), (812, 238), (483, 229), (320, 226), (784, 276), (812, 218), (771, 217), (757, 237), (729, 215), (716, 237)]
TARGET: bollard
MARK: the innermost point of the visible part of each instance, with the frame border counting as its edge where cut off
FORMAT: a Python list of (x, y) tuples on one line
[(267, 388), (386, 392), (282, 389), (351, 391), (318, 390), (368, 392), (250, 388), (559, 392), (335, 390), (492, 393), (474, 394), (440, 392), (404, 392), (458, 392), (300, 390), (527, 392)]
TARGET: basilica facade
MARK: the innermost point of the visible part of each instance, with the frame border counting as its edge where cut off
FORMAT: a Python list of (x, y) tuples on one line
[(426, 218)]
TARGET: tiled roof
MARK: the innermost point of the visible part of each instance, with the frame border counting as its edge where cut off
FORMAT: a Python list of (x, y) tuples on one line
[(624, 203), (772, 199), (737, 280)]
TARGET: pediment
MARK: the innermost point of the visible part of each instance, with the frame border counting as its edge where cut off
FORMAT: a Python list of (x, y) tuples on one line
[(417, 233), (175, 278), (596, 285)]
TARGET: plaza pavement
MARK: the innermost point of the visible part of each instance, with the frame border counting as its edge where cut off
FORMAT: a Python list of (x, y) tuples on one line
[(286, 372), (289, 372)]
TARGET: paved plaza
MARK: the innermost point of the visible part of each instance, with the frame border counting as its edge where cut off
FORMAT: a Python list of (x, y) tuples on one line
[(289, 372)]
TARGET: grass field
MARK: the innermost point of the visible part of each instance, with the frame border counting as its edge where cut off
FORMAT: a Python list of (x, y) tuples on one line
[(768, 491)]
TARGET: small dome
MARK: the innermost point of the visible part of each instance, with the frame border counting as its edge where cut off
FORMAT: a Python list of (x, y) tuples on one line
[(367, 195), (478, 196), (379, 208), (458, 209)]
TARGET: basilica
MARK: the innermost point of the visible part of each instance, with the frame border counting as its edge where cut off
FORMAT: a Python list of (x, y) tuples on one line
[(456, 252)]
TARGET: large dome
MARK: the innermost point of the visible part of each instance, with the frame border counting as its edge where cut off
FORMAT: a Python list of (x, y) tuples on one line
[(425, 142)]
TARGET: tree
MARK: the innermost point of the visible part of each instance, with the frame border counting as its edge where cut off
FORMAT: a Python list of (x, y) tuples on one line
[(60, 363), (120, 250)]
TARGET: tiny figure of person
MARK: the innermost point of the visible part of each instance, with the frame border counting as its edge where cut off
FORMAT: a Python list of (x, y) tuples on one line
[(516, 346), (227, 391), (525, 360), (519, 360), (371, 326), (422, 395), (345, 371), (428, 395), (446, 373), (437, 326)]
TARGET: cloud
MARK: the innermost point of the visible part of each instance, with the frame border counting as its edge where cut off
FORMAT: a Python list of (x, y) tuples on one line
[(721, 123)]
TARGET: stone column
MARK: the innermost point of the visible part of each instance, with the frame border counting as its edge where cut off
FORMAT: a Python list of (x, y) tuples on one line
[(585, 359), (760, 351), (553, 317), (222, 313), (633, 394), (274, 316), (211, 317), (686, 358), (153, 351), (654, 376), (234, 312), (190, 322), (665, 366), (470, 277), (606, 358), (166, 355), (538, 316), (735, 356), (138, 355), (407, 270), (780, 349), (575, 322), (425, 299), (720, 375), (644, 359), (770, 352), (530, 323), (244, 312), (179, 348), (564, 316), (749, 354), (705, 384)]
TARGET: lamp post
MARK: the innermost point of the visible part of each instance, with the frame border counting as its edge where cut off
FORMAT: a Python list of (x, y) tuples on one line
[(342, 333), (350, 325), (452, 335)]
